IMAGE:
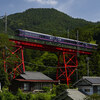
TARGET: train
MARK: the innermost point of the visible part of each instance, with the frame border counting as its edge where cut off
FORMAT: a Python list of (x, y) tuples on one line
[(40, 36)]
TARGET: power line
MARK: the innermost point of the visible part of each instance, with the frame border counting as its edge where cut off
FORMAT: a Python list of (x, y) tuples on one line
[(54, 66)]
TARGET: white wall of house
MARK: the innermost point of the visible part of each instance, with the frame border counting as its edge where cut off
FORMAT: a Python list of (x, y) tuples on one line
[(87, 89)]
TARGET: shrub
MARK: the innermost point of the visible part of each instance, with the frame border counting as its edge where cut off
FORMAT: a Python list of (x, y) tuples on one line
[(53, 89), (6, 95), (93, 97), (20, 95), (29, 96), (40, 96), (46, 89)]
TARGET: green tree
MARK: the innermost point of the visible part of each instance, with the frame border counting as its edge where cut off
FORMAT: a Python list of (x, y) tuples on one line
[(60, 88), (4, 42)]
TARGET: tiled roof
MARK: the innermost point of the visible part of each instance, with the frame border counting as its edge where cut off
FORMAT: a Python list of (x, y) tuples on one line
[(92, 80), (29, 75), (73, 94)]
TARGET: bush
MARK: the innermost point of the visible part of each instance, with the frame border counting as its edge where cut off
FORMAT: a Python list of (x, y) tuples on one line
[(20, 95), (29, 96), (6, 95), (93, 97), (53, 89), (40, 96), (46, 89), (1, 96)]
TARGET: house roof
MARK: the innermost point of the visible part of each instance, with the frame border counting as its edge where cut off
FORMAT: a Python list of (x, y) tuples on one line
[(73, 94), (30, 76), (92, 80)]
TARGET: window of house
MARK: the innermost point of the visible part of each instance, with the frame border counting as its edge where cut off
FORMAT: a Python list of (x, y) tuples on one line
[(38, 86), (87, 90), (26, 86), (98, 89)]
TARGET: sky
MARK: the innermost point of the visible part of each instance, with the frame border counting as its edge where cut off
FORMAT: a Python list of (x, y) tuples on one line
[(84, 9)]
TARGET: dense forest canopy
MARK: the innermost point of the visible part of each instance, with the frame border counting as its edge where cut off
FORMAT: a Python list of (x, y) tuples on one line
[(54, 22), (49, 21)]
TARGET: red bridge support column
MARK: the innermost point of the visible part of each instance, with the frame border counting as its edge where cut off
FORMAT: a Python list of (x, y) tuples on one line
[(16, 66), (67, 64)]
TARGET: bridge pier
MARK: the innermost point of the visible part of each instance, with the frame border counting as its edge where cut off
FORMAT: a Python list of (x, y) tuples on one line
[(67, 64), (14, 61)]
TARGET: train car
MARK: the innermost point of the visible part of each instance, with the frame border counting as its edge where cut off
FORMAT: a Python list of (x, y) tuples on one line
[(61, 40)]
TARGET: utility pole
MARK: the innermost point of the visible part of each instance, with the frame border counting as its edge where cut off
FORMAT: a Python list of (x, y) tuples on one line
[(5, 23), (77, 55), (87, 58), (68, 33), (76, 74), (77, 37)]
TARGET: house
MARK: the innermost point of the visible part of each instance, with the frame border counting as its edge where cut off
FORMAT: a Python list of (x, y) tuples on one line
[(31, 82), (71, 94), (88, 85)]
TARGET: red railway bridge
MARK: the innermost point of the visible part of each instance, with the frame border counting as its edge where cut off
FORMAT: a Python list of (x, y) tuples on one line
[(67, 60)]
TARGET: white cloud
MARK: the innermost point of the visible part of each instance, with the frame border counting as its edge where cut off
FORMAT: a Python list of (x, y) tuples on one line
[(66, 6), (49, 2)]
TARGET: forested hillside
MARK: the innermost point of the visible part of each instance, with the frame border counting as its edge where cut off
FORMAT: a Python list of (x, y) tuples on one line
[(51, 21)]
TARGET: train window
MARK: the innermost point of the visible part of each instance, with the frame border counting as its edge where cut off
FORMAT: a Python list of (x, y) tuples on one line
[(80, 43), (89, 45), (62, 40), (26, 33), (59, 39), (41, 36), (21, 32), (66, 41), (51, 37), (75, 42), (47, 37), (34, 35), (84, 44)]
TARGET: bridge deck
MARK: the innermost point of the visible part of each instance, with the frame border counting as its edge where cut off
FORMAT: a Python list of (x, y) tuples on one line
[(47, 46)]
